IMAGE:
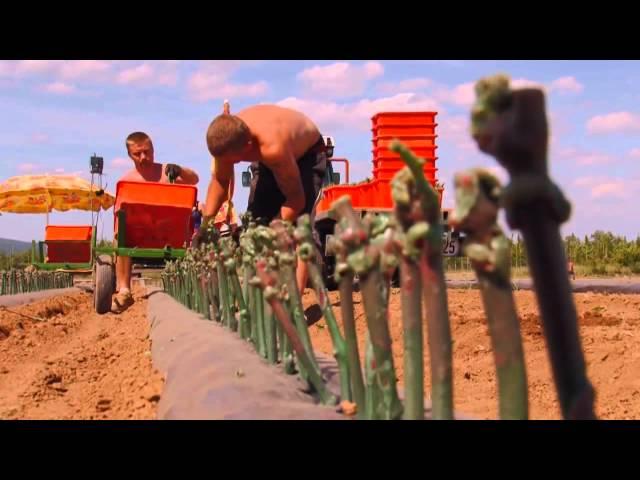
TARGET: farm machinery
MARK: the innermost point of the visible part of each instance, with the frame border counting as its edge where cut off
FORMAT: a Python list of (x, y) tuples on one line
[(416, 130)]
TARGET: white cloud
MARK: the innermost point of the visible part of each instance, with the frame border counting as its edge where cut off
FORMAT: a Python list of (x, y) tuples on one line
[(59, 88), (517, 83), (340, 79), (120, 162), (616, 122), (84, 68), (59, 170), (635, 153), (205, 87), (226, 67), (213, 82), (34, 67), (39, 138), (616, 189), (455, 129), (585, 181), (560, 125), (168, 79), (27, 167), (461, 95), (139, 74), (121, 72), (566, 84), (160, 73), (5, 68), (357, 115), (568, 152), (404, 86), (585, 157), (594, 159), (59, 69), (602, 186)]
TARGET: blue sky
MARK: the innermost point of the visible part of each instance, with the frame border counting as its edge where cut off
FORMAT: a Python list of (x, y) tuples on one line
[(56, 114)]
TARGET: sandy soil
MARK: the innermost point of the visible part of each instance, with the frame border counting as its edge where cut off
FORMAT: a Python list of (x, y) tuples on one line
[(608, 326), (76, 364)]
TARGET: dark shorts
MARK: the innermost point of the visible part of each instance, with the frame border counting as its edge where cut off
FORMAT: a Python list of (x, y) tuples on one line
[(265, 197)]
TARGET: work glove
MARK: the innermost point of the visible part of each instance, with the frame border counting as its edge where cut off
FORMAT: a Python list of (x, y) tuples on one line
[(172, 171), (208, 233)]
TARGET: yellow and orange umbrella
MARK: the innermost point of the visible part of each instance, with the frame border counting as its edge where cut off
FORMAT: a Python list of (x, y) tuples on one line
[(45, 193)]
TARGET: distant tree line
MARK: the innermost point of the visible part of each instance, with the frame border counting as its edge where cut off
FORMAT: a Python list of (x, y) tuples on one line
[(14, 260), (601, 253)]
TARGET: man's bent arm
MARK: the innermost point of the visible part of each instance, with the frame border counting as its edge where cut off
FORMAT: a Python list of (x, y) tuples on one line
[(188, 176), (287, 175), (217, 192)]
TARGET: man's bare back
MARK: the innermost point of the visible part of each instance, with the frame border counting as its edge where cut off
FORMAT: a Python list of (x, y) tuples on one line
[(288, 164), (279, 128)]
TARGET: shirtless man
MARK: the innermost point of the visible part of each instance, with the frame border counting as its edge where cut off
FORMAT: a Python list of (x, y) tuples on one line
[(140, 150), (287, 158)]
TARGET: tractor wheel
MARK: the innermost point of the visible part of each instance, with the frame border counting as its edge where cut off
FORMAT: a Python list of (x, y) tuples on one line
[(328, 263), (328, 271), (104, 283)]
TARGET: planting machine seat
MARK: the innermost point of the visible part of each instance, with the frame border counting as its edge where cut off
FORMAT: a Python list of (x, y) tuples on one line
[(151, 221)]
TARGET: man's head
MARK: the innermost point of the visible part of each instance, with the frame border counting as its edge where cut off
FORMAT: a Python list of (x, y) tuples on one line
[(229, 138), (140, 148)]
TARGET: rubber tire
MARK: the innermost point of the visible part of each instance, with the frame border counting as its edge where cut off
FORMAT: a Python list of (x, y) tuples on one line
[(327, 263), (104, 284), (328, 268)]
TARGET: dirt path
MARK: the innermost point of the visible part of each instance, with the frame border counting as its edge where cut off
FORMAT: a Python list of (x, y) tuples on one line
[(608, 326), (76, 364)]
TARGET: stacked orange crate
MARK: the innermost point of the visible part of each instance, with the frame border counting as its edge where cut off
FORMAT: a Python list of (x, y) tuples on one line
[(68, 243), (417, 130)]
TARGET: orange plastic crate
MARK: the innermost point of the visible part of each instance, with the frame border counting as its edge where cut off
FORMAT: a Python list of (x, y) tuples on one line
[(159, 194), (424, 152), (68, 232), (385, 162), (68, 243), (158, 214), (417, 131), (403, 130), (374, 195), (404, 118), (370, 196), (413, 141), (383, 173)]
